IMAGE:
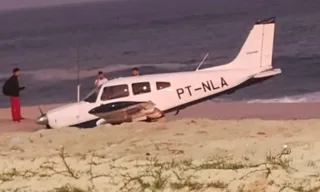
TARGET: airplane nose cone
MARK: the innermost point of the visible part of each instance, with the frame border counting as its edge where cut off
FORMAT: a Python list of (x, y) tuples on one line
[(42, 120)]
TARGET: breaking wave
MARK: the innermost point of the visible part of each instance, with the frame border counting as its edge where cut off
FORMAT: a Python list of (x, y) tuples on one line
[(71, 74), (301, 98)]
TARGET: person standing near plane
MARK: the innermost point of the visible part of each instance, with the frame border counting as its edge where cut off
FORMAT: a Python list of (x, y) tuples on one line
[(12, 89), (100, 80), (135, 71)]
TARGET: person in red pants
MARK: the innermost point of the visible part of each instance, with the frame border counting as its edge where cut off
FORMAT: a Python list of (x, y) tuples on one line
[(12, 89)]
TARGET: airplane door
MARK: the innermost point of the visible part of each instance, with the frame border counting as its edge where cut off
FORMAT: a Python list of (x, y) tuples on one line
[(163, 91)]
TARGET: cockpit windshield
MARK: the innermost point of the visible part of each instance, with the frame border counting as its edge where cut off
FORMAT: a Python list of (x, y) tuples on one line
[(93, 95)]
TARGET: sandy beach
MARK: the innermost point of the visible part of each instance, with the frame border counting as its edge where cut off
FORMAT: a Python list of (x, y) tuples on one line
[(207, 147), (210, 110)]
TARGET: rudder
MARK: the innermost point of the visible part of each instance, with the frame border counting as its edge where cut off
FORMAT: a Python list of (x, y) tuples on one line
[(257, 51)]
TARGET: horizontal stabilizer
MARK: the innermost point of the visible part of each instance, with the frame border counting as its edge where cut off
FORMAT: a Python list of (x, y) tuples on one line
[(268, 73)]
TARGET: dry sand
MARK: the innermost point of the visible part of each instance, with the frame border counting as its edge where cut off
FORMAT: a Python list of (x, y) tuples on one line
[(185, 154)]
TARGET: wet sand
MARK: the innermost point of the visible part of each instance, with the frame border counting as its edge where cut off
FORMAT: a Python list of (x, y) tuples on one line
[(210, 110)]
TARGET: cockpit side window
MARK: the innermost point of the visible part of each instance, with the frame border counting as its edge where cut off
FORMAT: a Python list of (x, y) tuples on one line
[(115, 92), (140, 88), (161, 85), (93, 95)]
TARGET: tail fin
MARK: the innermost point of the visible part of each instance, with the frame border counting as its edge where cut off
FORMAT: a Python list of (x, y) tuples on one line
[(257, 50)]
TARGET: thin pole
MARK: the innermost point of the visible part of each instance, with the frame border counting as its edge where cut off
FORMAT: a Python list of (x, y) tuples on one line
[(205, 57), (78, 76)]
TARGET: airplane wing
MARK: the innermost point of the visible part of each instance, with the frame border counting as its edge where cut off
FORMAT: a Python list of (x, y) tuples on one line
[(126, 111)]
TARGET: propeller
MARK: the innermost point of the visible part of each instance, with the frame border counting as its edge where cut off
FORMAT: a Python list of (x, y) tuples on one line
[(41, 112), (43, 118)]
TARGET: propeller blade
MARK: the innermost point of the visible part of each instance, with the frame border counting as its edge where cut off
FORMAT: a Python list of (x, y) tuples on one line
[(41, 111)]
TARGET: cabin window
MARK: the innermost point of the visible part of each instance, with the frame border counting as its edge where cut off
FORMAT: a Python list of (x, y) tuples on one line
[(140, 88), (161, 85), (115, 92), (93, 95)]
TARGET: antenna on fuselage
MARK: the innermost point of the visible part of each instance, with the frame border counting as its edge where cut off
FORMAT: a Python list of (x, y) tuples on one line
[(78, 76), (205, 57)]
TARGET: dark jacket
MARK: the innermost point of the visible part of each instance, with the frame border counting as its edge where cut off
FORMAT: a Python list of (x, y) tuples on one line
[(11, 87)]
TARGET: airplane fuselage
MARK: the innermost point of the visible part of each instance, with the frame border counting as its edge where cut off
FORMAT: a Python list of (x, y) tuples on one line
[(150, 96), (177, 89)]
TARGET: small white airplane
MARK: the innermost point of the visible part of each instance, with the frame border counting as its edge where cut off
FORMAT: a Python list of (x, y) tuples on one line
[(149, 97)]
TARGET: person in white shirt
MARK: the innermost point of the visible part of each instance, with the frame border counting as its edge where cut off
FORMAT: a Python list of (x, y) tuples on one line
[(100, 80)]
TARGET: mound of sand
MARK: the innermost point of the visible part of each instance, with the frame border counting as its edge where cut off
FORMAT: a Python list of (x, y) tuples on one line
[(179, 155)]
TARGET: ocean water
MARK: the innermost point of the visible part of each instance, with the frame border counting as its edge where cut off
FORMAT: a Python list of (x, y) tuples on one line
[(157, 36)]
